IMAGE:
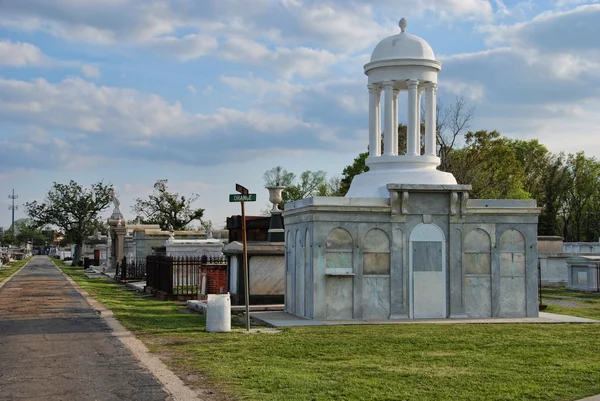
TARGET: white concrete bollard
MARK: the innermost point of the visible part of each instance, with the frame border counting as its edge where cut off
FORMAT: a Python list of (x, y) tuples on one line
[(218, 313)]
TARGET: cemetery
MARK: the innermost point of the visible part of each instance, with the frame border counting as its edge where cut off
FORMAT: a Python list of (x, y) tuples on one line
[(406, 287)]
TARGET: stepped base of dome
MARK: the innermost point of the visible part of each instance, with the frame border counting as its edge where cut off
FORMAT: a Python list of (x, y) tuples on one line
[(386, 170)]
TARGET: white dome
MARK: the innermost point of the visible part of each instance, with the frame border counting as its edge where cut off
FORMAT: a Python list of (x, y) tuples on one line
[(401, 46)]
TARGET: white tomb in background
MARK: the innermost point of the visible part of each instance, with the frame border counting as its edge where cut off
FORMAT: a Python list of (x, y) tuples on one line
[(406, 241)]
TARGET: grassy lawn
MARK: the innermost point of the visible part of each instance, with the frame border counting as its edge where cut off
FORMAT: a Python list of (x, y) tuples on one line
[(574, 303), (12, 267), (401, 362)]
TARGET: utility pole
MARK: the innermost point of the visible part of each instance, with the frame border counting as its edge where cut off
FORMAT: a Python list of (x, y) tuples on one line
[(13, 208)]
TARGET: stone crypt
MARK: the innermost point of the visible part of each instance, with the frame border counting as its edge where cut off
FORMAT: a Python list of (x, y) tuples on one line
[(407, 242)]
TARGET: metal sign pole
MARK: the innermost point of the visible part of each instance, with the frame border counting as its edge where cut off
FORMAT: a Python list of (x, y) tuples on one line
[(246, 267)]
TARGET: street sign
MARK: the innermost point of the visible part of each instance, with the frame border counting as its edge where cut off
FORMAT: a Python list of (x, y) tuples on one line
[(241, 189), (242, 198)]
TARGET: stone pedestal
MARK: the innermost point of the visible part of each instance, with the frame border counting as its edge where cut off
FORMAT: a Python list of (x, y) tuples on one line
[(267, 272), (118, 231), (426, 251), (584, 273)]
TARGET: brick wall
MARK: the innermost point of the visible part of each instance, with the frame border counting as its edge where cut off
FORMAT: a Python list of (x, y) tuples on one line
[(216, 280)]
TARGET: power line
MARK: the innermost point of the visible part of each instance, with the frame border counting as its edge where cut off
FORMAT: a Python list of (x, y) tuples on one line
[(13, 208)]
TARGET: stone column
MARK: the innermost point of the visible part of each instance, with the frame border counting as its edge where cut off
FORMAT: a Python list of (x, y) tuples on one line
[(411, 140), (120, 231), (430, 120), (389, 118), (374, 148), (419, 91), (395, 145), (378, 114)]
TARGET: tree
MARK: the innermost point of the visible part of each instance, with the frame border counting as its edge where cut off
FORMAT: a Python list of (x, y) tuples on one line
[(73, 209), (169, 210), (451, 123), (25, 230), (311, 183), (357, 167), (490, 165), (583, 185)]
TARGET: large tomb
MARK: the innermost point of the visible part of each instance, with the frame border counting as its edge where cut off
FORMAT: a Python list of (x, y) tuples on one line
[(406, 241)]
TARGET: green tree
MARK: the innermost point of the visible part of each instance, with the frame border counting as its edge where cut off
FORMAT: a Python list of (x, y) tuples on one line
[(490, 165), (357, 167), (310, 183), (169, 210), (73, 209), (583, 185)]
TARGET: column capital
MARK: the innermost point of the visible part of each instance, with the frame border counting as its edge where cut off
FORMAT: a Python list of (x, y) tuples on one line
[(374, 88), (412, 83), (388, 84), (431, 86)]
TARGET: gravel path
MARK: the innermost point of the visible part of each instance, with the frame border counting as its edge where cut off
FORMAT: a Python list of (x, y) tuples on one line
[(53, 346)]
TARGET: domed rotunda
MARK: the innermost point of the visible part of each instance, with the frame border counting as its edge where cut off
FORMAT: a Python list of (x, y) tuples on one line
[(400, 63)]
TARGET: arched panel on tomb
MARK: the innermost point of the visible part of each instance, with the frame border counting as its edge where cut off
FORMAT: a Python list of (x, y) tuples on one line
[(308, 275), (339, 270), (290, 273), (427, 272), (376, 275), (513, 295), (477, 267), (299, 279)]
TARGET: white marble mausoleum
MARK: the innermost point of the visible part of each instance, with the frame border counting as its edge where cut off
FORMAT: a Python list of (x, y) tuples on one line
[(407, 242)]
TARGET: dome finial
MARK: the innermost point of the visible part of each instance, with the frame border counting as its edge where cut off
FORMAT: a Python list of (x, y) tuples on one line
[(403, 24)]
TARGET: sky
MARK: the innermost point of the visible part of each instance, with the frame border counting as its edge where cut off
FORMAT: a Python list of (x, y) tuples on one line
[(210, 93)]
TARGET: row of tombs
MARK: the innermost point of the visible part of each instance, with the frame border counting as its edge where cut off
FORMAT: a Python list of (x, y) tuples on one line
[(437, 268)]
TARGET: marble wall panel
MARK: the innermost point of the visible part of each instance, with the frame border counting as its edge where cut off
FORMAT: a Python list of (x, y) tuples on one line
[(376, 240), (477, 263), (477, 241), (339, 238), (512, 264), (267, 275), (339, 260), (376, 297), (429, 203), (376, 263), (427, 256), (512, 300), (478, 296), (429, 294), (339, 297), (512, 241)]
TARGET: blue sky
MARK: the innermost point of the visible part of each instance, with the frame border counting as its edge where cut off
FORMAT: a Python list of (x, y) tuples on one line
[(207, 93)]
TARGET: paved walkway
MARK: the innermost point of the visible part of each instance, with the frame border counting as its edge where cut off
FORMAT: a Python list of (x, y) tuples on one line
[(54, 347), (284, 319)]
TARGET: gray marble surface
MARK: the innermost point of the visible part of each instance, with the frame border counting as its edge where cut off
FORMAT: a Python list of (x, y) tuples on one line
[(478, 296), (266, 275), (339, 297), (376, 297), (512, 297)]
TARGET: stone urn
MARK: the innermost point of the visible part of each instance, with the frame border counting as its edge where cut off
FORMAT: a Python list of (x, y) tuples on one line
[(275, 195)]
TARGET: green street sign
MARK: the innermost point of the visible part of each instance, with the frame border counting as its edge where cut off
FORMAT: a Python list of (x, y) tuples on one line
[(242, 198)]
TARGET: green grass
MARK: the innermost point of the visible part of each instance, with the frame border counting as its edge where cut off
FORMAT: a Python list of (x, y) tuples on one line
[(588, 303), (10, 268), (393, 362)]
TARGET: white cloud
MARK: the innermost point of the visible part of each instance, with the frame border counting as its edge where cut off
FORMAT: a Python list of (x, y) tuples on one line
[(121, 122), (191, 88), (185, 48), (303, 61), (18, 54), (208, 90), (90, 71)]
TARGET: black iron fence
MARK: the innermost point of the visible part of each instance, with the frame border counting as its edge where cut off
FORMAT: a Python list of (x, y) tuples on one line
[(182, 277), (131, 269)]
